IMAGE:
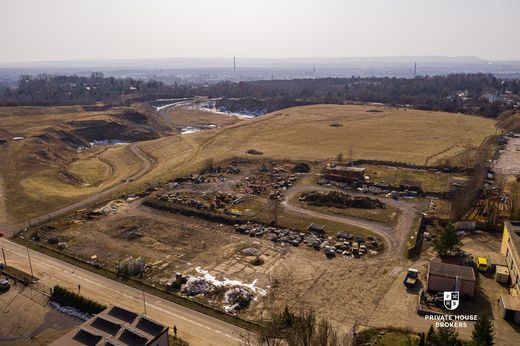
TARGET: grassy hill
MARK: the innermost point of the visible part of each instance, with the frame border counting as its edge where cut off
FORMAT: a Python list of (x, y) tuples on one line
[(305, 133), (43, 170)]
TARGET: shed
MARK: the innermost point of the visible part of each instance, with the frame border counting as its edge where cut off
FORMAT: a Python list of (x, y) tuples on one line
[(345, 174), (510, 307), (501, 274), (451, 277)]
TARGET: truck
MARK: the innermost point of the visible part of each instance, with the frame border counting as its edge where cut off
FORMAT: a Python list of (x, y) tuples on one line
[(411, 278), (482, 264), (4, 285)]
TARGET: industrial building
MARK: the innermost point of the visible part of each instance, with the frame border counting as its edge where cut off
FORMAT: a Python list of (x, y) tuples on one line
[(118, 327), (444, 277), (510, 249), (345, 174)]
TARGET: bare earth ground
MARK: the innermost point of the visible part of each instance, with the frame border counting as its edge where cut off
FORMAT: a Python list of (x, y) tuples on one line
[(398, 306), (507, 163), (28, 320)]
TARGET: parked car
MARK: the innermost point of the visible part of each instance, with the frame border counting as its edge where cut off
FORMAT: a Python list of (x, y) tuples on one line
[(4, 285), (411, 278)]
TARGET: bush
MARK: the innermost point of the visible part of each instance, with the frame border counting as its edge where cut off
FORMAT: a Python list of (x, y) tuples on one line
[(68, 298)]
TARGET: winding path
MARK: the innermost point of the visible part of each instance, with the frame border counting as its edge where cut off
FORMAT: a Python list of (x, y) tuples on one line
[(147, 164), (395, 237)]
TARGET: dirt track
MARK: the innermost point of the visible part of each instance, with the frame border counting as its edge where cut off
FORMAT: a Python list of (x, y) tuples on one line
[(395, 237), (148, 163)]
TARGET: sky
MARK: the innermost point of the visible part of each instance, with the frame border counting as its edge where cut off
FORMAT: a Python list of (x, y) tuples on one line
[(46, 30)]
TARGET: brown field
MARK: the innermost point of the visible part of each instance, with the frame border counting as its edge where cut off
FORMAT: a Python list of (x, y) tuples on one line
[(44, 170), (301, 133), (304, 133)]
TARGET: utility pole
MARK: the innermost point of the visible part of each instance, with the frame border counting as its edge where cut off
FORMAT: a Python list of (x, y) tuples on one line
[(351, 156), (3, 254), (415, 70), (144, 302), (234, 65), (30, 264)]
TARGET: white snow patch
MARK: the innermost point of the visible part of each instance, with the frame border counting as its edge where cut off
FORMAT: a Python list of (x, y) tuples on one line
[(230, 283), (109, 142), (67, 310)]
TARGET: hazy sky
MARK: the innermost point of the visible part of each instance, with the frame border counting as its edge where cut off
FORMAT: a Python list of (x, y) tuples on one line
[(35, 30)]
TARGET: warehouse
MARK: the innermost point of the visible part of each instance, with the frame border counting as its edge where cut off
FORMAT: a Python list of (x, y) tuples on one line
[(451, 277)]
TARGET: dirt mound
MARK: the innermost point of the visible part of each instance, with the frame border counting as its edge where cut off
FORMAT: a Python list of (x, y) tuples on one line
[(340, 200)]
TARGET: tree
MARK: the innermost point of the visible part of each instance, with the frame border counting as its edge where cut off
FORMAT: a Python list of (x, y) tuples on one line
[(422, 340), (275, 207), (443, 336), (447, 336), (483, 331), (301, 329), (430, 335), (339, 158), (447, 240)]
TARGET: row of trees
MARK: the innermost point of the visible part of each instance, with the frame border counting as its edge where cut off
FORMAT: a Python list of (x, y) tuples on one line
[(66, 297), (432, 93)]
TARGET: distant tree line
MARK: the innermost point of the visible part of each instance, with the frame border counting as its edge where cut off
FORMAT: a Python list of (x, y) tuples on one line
[(50, 90), (452, 93)]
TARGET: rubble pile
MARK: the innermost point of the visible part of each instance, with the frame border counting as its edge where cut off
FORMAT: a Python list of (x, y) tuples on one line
[(183, 199), (132, 233), (237, 298), (195, 286), (234, 295), (276, 177), (340, 200)]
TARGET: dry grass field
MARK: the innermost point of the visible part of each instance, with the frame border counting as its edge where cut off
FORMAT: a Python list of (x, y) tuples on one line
[(39, 172), (304, 133), (41, 169), (181, 117)]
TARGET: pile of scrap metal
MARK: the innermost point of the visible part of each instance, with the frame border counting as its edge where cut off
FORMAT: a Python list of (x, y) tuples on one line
[(339, 200)]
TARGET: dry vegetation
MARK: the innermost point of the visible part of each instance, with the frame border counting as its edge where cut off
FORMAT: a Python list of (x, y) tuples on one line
[(304, 133), (301, 133), (44, 170)]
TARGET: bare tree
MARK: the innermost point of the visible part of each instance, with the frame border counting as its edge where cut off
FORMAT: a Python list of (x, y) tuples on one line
[(275, 207)]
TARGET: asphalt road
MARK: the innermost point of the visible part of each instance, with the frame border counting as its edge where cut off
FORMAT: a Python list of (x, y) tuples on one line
[(194, 327)]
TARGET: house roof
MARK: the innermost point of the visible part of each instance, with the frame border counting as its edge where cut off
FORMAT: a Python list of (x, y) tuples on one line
[(452, 271), (114, 326), (510, 302)]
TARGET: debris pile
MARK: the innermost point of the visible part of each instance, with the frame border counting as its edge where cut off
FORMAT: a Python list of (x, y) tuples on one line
[(132, 233), (340, 200), (237, 298), (234, 295), (130, 266)]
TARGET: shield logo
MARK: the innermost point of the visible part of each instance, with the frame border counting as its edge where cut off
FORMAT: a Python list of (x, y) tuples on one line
[(451, 300)]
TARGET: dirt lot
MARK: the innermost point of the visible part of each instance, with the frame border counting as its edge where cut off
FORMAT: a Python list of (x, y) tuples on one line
[(398, 306), (26, 319), (509, 161)]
